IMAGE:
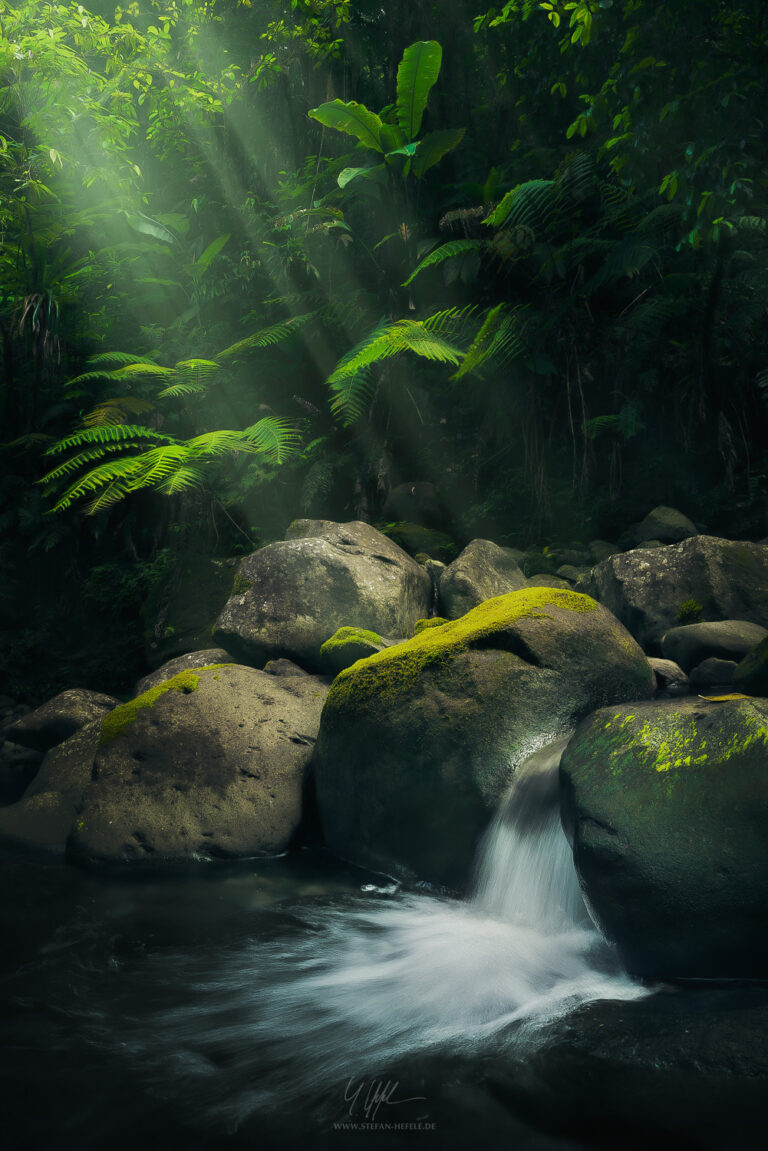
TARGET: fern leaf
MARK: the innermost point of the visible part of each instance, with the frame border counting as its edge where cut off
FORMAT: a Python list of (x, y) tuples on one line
[(121, 470), (267, 337), (499, 339), (118, 358), (218, 443), (444, 252), (275, 438), (114, 411), (532, 204), (185, 477), (106, 434)]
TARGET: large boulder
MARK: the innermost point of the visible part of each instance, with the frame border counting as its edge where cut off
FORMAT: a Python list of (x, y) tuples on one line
[(210, 764), (184, 606), (418, 743), (666, 805), (722, 639), (665, 525), (481, 572), (44, 815), (60, 717), (292, 596), (646, 589)]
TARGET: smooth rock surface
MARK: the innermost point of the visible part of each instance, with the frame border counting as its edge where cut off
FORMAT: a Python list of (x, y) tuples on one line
[(293, 596), (751, 675), (482, 571), (209, 765), (722, 639), (418, 743), (713, 672), (666, 805), (670, 676)]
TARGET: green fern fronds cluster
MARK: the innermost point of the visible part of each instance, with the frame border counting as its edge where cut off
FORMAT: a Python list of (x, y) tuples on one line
[(112, 461)]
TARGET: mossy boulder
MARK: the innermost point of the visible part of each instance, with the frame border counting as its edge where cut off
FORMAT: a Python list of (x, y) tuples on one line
[(60, 717), (297, 593), (418, 743), (646, 588), (482, 571), (209, 764), (347, 645), (751, 675), (44, 815), (666, 805)]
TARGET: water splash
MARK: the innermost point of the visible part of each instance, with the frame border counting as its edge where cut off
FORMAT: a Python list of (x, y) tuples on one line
[(347, 989)]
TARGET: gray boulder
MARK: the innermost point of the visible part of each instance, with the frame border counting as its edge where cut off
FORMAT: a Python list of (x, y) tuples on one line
[(543, 580), (482, 571), (647, 589), (184, 606), (43, 817), (210, 764), (721, 639), (418, 742), (666, 806), (666, 525), (670, 677), (188, 662), (60, 717), (293, 595)]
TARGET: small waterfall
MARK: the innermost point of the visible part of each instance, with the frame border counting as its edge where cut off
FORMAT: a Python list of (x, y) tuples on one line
[(349, 987)]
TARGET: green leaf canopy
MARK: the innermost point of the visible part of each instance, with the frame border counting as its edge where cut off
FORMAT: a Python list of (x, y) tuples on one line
[(418, 71)]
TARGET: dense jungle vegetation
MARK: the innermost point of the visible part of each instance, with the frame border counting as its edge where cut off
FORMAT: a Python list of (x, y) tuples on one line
[(264, 259)]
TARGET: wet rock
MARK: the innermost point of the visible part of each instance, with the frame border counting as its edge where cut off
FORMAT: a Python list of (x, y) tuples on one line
[(666, 806), (418, 742), (713, 672)]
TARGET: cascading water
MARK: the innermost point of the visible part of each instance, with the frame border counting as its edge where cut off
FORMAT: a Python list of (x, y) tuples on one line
[(348, 989)]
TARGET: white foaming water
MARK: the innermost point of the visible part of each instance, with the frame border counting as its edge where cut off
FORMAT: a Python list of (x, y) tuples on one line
[(350, 988)]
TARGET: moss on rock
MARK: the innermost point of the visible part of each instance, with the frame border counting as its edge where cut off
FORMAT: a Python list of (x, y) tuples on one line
[(392, 672), (422, 624), (350, 635), (122, 717)]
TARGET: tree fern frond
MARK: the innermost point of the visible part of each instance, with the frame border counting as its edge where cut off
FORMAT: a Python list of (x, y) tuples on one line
[(456, 321), (499, 339), (106, 434), (123, 470), (444, 252), (351, 394), (276, 438), (112, 494), (113, 411), (185, 477), (218, 443), (119, 358), (533, 204), (267, 337)]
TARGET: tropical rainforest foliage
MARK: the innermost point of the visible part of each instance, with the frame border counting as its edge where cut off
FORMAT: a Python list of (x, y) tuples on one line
[(271, 258)]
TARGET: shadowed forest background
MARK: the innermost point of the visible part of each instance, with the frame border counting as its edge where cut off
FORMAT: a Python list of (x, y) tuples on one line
[(264, 260)]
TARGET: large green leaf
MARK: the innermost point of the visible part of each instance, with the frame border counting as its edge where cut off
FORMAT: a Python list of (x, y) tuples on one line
[(433, 147), (418, 71), (353, 118)]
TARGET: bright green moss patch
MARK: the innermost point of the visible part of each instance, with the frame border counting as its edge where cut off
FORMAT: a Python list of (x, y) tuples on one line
[(240, 584), (422, 624), (394, 671), (121, 718), (348, 635)]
